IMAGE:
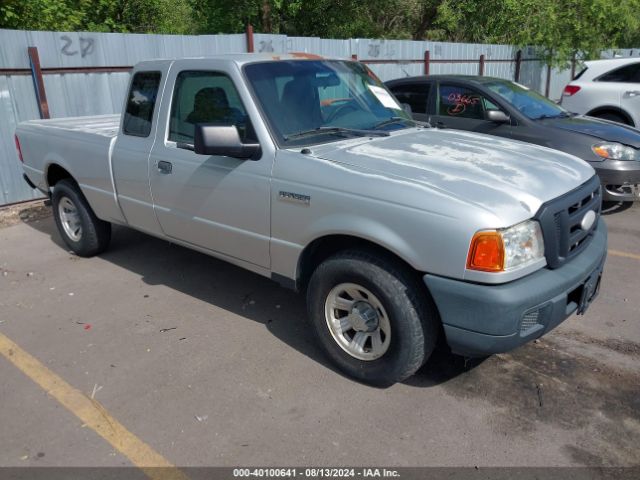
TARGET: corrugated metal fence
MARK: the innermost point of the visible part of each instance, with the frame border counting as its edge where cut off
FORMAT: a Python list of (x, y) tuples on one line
[(72, 88), (87, 73)]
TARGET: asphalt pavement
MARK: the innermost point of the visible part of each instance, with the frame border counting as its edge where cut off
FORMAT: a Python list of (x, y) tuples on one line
[(201, 363)]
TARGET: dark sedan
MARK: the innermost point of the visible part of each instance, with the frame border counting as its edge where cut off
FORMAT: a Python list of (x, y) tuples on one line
[(507, 109)]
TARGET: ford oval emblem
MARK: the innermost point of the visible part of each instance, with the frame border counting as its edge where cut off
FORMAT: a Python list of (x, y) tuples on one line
[(588, 220)]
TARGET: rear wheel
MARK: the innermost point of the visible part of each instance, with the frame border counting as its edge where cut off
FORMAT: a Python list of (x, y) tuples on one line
[(84, 233), (373, 318)]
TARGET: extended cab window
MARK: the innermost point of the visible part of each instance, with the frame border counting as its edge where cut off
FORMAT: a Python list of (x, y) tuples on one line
[(415, 95), (627, 74), (209, 98), (142, 100)]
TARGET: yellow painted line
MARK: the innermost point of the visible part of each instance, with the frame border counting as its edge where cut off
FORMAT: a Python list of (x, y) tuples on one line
[(618, 253), (94, 415)]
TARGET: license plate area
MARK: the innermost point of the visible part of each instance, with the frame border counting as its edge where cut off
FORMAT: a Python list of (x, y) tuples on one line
[(585, 294)]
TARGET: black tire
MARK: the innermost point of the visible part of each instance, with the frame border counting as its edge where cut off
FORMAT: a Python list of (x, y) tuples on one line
[(613, 117), (412, 315), (95, 234)]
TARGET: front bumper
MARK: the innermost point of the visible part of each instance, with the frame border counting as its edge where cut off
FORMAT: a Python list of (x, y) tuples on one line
[(481, 319), (620, 180)]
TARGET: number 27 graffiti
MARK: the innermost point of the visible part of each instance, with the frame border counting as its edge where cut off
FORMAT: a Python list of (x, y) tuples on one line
[(87, 46)]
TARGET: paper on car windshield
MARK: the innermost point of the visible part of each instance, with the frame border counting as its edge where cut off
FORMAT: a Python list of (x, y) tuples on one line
[(384, 97)]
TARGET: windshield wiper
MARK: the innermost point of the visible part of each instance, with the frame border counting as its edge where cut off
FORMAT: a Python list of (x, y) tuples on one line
[(336, 130), (393, 120)]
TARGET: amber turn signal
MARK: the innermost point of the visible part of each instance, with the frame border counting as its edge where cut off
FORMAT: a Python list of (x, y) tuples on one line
[(486, 252), (600, 151)]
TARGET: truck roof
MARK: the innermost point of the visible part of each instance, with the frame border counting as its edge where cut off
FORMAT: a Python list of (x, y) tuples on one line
[(242, 58), (477, 79)]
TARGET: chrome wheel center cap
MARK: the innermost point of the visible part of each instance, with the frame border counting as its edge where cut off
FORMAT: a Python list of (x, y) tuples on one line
[(363, 317)]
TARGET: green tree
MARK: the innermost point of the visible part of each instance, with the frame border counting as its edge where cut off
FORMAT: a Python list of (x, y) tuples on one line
[(39, 15), (139, 16), (559, 28)]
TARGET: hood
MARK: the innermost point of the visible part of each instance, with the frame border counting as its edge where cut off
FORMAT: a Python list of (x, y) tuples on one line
[(507, 178), (594, 127)]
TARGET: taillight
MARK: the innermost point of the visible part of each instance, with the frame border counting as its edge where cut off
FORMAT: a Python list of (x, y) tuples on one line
[(570, 90), (18, 149)]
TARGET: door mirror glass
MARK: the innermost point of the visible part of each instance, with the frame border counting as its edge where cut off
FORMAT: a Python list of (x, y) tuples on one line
[(223, 140), (498, 116)]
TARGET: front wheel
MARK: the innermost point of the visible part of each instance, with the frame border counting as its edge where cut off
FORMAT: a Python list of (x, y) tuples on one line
[(84, 233), (373, 318)]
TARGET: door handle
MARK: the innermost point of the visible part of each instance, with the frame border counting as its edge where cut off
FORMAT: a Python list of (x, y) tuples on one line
[(165, 167), (632, 93)]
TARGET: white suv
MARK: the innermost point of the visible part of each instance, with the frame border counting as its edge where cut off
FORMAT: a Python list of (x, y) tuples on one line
[(608, 89)]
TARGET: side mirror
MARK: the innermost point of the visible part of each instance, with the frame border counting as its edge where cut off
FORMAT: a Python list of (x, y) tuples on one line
[(498, 116), (407, 109), (223, 140)]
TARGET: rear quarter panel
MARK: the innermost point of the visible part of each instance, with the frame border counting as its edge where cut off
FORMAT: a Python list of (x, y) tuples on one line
[(84, 155)]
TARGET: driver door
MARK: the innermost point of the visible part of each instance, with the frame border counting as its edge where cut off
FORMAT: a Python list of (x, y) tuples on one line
[(217, 203)]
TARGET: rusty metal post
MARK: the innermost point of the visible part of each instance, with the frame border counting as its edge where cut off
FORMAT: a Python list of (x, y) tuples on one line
[(427, 61), (518, 65), (481, 65), (547, 88), (38, 82), (249, 34)]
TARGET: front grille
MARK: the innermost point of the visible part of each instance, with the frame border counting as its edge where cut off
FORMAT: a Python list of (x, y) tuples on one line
[(561, 221)]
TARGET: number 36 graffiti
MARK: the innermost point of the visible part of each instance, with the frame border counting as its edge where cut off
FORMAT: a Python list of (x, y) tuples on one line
[(86, 47)]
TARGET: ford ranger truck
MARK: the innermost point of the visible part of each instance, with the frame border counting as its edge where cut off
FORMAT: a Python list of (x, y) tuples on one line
[(308, 171)]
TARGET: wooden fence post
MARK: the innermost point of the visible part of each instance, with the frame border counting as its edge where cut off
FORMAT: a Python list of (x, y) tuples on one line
[(427, 61), (518, 65), (481, 65), (249, 34), (38, 82)]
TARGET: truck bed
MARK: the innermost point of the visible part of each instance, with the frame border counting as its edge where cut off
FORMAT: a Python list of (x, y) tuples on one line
[(98, 125), (81, 145), (103, 125)]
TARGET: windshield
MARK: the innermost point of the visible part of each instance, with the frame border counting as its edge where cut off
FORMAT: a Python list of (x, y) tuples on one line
[(530, 103), (316, 101)]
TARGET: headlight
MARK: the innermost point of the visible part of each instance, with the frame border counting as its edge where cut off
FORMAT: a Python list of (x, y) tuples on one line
[(616, 151), (506, 249)]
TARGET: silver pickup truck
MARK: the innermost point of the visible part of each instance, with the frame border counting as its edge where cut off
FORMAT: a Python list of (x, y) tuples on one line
[(308, 171)]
